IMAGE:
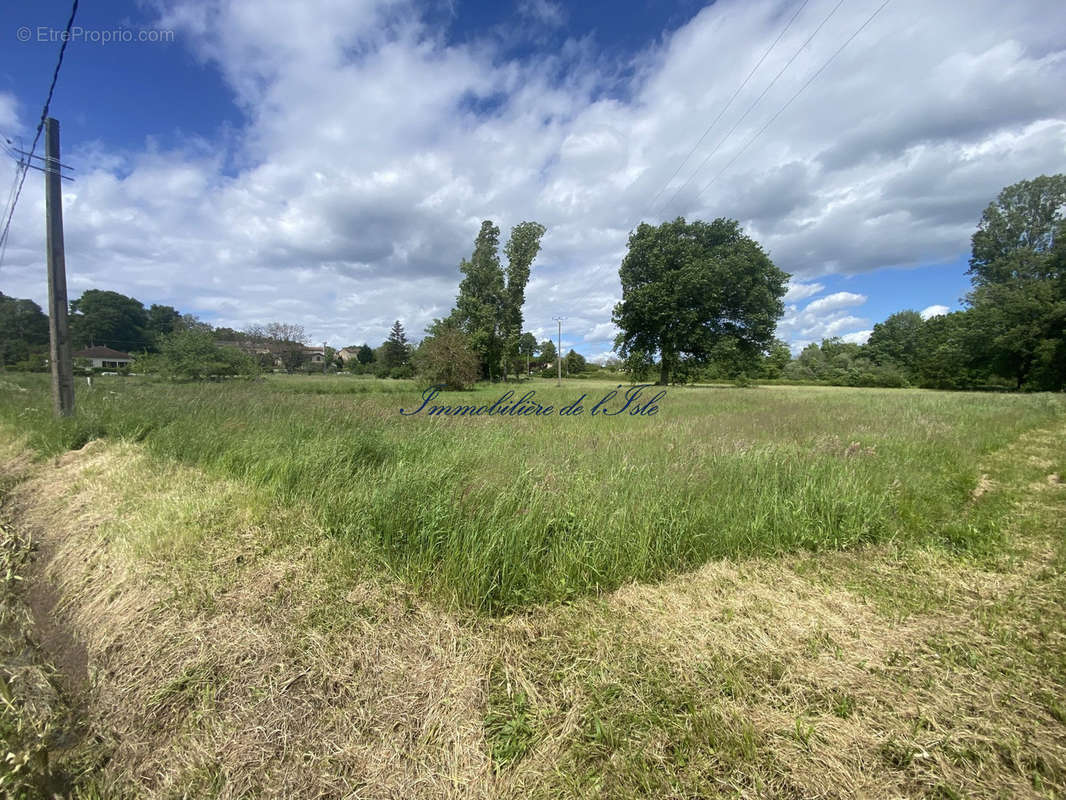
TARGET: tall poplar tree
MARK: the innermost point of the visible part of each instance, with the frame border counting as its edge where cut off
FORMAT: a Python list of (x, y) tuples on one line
[(488, 308)]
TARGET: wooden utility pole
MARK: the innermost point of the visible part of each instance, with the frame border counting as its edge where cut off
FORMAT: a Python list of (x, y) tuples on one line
[(58, 330), (559, 353)]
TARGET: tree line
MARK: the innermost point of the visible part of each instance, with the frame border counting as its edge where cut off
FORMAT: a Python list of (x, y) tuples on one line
[(700, 302)]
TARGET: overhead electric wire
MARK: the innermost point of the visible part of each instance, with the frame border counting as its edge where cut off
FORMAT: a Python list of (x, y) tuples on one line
[(9, 205), (725, 108), (40, 127), (758, 99), (810, 80)]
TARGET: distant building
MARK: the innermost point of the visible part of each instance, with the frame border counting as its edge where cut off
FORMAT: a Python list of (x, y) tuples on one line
[(104, 357), (347, 354)]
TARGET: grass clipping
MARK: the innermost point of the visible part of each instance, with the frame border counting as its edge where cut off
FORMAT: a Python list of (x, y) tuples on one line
[(234, 651)]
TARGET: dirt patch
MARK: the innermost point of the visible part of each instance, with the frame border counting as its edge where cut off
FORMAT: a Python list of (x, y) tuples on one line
[(54, 635), (984, 485)]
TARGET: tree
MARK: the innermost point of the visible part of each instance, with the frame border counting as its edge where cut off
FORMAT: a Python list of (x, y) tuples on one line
[(687, 286), (478, 307), (397, 352), (23, 331), (488, 309), (1018, 303), (1024, 325), (1023, 219), (193, 355), (365, 355), (951, 353), (548, 353), (446, 358), (286, 341), (161, 321), (575, 363), (527, 348), (190, 322), (897, 341), (520, 249), (110, 319), (777, 358)]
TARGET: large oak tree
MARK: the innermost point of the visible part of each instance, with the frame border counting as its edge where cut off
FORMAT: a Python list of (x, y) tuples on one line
[(689, 286)]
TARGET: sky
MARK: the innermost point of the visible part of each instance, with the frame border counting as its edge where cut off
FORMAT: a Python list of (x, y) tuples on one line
[(329, 163)]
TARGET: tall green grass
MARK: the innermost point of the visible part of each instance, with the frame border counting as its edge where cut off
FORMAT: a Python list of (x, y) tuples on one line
[(496, 513)]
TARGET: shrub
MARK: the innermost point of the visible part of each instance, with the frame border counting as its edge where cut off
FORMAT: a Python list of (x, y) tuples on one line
[(447, 359), (193, 355)]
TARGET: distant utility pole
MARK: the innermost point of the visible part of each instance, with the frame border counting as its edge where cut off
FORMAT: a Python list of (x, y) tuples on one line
[(58, 330), (559, 353)]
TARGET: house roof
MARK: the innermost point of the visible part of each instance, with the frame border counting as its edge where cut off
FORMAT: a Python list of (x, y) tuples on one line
[(100, 352)]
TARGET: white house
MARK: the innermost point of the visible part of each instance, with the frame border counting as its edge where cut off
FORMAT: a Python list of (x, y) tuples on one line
[(104, 357)]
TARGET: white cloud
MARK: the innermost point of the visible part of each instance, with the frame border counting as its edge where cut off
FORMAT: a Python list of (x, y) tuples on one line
[(603, 331), (543, 11), (835, 301), (934, 311), (857, 337), (373, 149), (801, 291), (8, 115)]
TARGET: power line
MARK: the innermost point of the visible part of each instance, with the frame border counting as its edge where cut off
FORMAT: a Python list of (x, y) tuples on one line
[(40, 127), (809, 81), (758, 99), (728, 104)]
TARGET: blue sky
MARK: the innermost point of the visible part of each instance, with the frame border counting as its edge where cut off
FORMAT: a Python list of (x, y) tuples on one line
[(329, 163)]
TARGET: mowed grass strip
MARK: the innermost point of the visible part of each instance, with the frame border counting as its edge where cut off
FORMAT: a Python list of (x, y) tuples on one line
[(498, 513)]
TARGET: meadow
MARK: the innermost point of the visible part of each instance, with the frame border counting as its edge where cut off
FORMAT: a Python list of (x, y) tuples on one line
[(496, 513)]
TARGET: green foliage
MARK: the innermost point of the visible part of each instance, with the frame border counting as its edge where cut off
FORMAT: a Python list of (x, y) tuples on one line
[(548, 353), (1024, 324), (897, 342), (1024, 219), (950, 355), (841, 363), (162, 320), (110, 319), (396, 352), (193, 355), (520, 250), (776, 359), (365, 354), (687, 287), (488, 309), (575, 363), (1018, 304), (447, 359), (23, 332)]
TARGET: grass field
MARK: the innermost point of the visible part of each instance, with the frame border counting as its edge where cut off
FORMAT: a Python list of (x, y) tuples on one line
[(289, 590), (497, 513)]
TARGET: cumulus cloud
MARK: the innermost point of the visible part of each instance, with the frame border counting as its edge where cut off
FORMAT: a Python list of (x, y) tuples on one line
[(374, 147), (934, 311), (801, 291), (857, 337), (835, 301)]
